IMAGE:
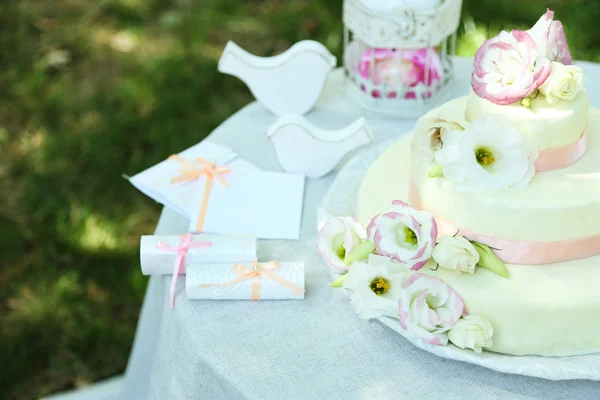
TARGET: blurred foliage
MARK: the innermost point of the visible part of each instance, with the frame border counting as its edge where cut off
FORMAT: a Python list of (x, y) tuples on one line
[(94, 89)]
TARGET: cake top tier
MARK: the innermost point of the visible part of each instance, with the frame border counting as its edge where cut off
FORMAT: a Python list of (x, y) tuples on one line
[(528, 77), (527, 114)]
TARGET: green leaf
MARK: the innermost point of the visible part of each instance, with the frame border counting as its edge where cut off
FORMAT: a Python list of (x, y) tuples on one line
[(360, 252), (338, 282), (488, 260), (436, 172)]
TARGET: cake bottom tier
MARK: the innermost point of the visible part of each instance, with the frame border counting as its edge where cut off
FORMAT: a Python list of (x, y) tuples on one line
[(548, 310)]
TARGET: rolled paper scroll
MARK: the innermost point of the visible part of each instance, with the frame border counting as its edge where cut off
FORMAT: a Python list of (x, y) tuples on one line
[(158, 260), (246, 281)]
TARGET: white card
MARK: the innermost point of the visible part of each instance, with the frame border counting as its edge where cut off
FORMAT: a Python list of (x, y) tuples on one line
[(266, 204), (155, 182)]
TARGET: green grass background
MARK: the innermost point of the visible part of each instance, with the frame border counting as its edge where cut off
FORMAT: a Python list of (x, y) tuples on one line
[(93, 89)]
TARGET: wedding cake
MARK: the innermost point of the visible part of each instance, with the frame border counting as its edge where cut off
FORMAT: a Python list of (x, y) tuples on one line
[(481, 229)]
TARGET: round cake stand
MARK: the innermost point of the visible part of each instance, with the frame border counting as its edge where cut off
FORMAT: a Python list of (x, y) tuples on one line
[(340, 200)]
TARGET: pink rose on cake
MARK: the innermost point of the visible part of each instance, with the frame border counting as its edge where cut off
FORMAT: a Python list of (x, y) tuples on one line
[(509, 67), (404, 234), (428, 308), (397, 68), (550, 38)]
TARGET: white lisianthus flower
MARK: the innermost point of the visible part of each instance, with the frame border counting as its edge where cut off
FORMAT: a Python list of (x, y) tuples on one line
[(376, 289), (456, 253), (431, 130), (428, 308), (404, 234), (565, 83), (382, 261), (337, 238), (472, 332), (491, 155)]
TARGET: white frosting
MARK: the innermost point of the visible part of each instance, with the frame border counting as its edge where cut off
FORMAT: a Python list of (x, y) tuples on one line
[(546, 309), (547, 125), (555, 205)]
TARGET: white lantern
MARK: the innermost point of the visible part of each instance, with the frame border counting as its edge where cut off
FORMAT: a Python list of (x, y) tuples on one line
[(398, 53)]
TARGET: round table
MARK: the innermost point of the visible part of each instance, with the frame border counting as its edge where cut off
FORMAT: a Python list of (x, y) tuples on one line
[(311, 349)]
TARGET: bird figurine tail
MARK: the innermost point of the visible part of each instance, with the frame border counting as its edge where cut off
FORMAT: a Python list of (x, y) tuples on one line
[(228, 63)]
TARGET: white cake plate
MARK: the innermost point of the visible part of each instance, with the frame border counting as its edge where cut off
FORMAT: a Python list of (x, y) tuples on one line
[(340, 200)]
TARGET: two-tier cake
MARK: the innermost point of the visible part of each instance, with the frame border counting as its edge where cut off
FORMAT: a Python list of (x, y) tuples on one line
[(493, 238)]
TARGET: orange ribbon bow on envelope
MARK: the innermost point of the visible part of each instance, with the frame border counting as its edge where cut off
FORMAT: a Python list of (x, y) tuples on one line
[(255, 273), (192, 172)]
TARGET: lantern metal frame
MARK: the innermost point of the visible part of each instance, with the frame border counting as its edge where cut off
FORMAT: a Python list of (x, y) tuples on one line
[(399, 29)]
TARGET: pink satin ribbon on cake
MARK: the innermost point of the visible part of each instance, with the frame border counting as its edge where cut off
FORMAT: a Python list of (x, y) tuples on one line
[(561, 157), (258, 271), (192, 172), (518, 251), (185, 243)]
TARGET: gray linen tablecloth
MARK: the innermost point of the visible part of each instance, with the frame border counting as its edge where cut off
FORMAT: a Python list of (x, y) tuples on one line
[(312, 349)]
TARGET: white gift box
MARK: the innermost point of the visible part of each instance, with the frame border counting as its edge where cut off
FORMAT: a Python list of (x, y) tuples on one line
[(246, 281), (224, 248)]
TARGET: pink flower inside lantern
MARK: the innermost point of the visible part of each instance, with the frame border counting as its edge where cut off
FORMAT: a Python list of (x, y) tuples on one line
[(398, 54), (400, 68)]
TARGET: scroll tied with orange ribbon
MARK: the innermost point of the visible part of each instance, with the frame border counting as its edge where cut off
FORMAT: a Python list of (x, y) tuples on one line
[(252, 281), (169, 254)]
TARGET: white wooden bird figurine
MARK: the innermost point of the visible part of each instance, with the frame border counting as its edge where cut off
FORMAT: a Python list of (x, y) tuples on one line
[(303, 147), (290, 82)]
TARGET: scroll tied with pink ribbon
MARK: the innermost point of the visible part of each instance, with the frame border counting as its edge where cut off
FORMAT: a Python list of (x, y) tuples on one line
[(252, 281), (170, 254)]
